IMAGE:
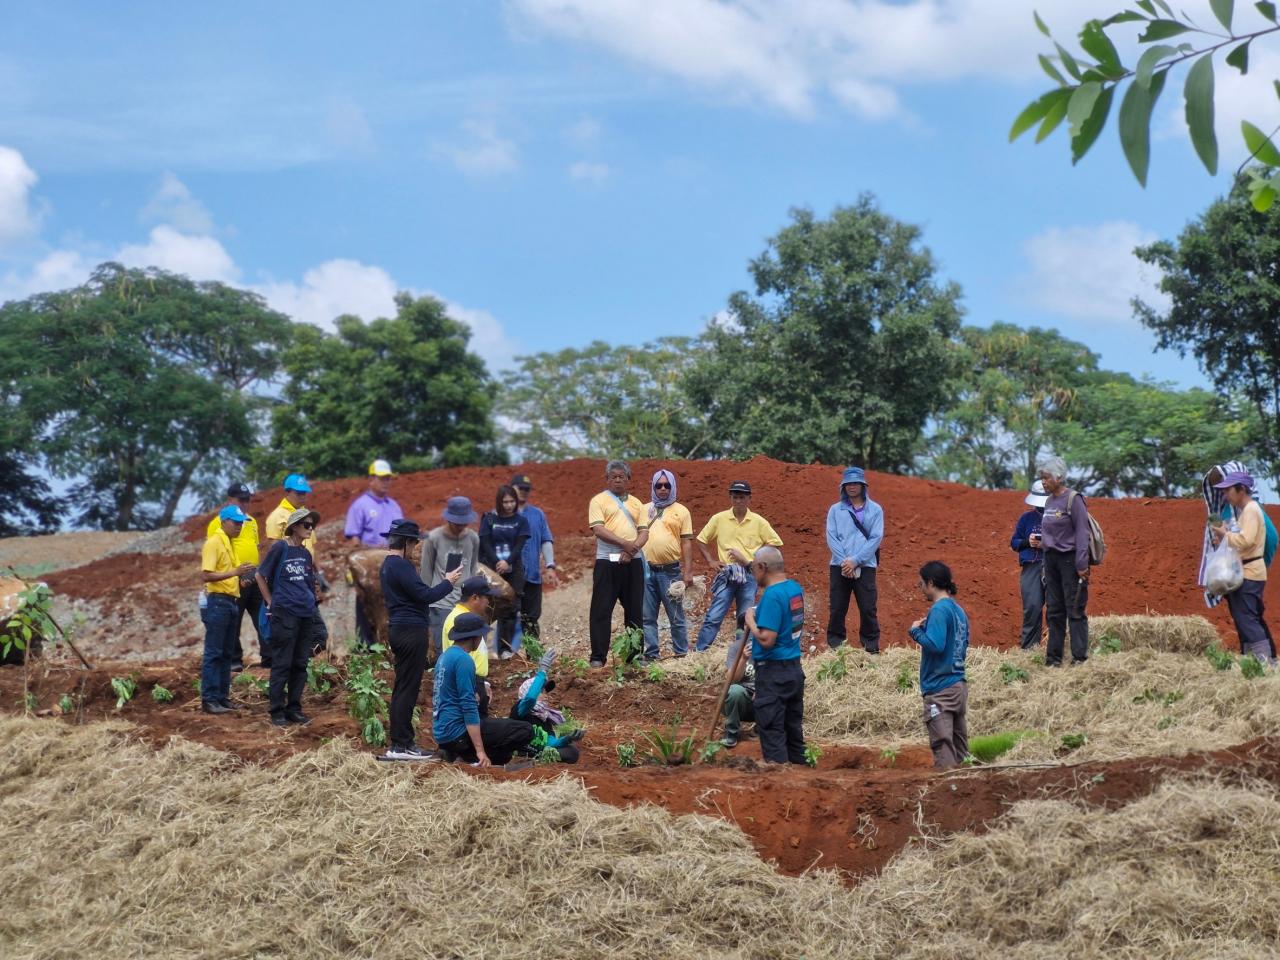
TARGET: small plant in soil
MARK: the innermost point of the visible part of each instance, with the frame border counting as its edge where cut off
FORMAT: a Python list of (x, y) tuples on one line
[(992, 746), (1038, 659), (29, 702), (533, 648), (569, 724), (547, 754), (367, 694), (700, 674), (161, 694), (627, 645), (318, 674), (618, 675), (1011, 673), (124, 689), (654, 674), (905, 682), (670, 750), (579, 666), (709, 751), (626, 754), (518, 677), (31, 621), (1220, 659), (1151, 695), (1107, 643), (812, 754), (835, 669), (1251, 667), (889, 756), (1074, 741), (66, 705), (259, 685)]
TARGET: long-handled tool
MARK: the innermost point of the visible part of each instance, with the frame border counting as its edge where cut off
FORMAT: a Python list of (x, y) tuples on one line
[(728, 678)]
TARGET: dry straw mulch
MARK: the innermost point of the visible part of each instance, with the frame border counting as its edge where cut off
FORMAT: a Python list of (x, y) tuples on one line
[(112, 849)]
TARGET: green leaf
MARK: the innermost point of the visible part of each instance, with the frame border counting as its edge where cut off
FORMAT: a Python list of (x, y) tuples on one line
[(1068, 61), (1223, 10), (1092, 125), (1135, 124), (1081, 106), (1239, 57), (1040, 23), (1165, 7), (1267, 9), (1057, 113), (1047, 65), (1198, 94), (1098, 45), (1035, 111), (1162, 30), (1261, 147), (1148, 6), (1263, 195), (1147, 63), (1128, 16)]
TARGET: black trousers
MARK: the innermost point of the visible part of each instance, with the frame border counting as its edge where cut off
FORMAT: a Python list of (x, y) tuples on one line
[(1065, 598), (364, 626), (863, 591), (250, 602), (502, 740), (779, 709), (292, 638), (409, 643), (613, 583), (531, 609)]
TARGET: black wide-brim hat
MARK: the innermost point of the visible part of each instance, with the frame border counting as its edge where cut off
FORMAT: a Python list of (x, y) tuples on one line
[(408, 529)]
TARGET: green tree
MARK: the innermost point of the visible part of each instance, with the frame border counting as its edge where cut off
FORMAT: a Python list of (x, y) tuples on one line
[(1144, 438), (1088, 82), (604, 401), (1224, 290), (1014, 383), (405, 388), (843, 353), (138, 385)]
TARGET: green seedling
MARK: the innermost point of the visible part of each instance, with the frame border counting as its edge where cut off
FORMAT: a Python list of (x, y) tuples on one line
[(579, 667), (547, 754), (33, 619), (627, 645), (66, 705), (260, 685), (1074, 741), (1151, 695), (1038, 659), (654, 674), (670, 750), (812, 754), (1011, 673), (533, 648), (1220, 659), (1107, 643), (889, 755), (618, 674), (987, 748), (1251, 667), (161, 694), (373, 732), (569, 724), (366, 695), (709, 751), (835, 669), (30, 702), (124, 688), (905, 682), (318, 674), (195, 684), (626, 754), (700, 673)]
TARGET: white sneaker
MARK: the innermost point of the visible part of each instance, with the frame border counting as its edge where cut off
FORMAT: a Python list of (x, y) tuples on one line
[(411, 752)]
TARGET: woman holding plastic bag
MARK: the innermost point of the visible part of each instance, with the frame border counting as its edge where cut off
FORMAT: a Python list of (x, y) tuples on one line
[(1246, 536)]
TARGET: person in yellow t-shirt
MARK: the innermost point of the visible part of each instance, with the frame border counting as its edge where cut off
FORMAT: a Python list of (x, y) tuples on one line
[(669, 554), (621, 530), (219, 609), (1248, 535), (738, 534), (474, 598), (245, 548)]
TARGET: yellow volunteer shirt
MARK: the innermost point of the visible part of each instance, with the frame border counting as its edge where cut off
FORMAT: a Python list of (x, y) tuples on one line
[(1251, 541), (747, 535), (245, 546), (667, 533), (605, 511), (276, 521), (216, 557), (479, 656)]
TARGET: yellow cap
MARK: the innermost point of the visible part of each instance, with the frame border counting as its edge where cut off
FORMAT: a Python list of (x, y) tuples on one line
[(379, 468)]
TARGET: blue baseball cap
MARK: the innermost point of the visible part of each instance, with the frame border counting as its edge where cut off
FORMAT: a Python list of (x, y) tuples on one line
[(296, 481), (233, 513)]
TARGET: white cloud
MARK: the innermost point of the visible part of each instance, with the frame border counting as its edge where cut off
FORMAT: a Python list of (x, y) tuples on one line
[(488, 338), (1090, 273), (588, 171), (200, 258), (59, 270), (18, 218), (173, 204), (484, 152)]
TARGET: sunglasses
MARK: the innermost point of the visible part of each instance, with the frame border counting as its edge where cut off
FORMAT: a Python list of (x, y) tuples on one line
[(662, 486), (307, 526)]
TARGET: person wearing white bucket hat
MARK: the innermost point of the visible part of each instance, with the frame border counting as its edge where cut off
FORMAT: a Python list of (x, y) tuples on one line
[(1026, 544)]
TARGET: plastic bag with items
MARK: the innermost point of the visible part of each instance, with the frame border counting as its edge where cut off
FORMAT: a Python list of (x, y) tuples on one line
[(1225, 571)]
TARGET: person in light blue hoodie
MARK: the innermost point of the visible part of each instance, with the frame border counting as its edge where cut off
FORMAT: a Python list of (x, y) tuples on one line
[(943, 635), (855, 530)]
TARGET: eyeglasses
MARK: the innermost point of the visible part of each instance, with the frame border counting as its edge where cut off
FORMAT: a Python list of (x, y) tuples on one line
[(662, 486), (307, 526)]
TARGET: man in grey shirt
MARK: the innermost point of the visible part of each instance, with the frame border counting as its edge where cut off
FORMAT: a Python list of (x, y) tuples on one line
[(447, 547)]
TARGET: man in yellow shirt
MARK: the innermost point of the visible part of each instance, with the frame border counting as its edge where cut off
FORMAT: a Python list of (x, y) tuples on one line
[(245, 548), (474, 598), (219, 609), (738, 534), (669, 555), (296, 491), (621, 530), (1248, 535)]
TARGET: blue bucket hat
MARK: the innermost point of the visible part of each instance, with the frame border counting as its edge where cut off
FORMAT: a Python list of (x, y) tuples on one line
[(232, 513), (296, 481), (458, 510), (853, 475)]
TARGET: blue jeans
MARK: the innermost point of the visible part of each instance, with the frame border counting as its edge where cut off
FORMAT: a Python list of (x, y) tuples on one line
[(219, 619), (723, 595), (655, 592)]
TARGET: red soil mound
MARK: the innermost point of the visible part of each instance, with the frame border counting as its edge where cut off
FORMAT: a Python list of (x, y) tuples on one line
[(1154, 545)]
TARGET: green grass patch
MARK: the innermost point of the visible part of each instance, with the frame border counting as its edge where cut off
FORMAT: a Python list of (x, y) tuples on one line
[(988, 748)]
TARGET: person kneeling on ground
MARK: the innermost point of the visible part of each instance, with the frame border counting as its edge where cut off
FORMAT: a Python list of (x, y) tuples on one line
[(532, 709), (737, 700), (475, 594), (408, 602), (943, 635), (290, 589), (459, 731), (776, 624)]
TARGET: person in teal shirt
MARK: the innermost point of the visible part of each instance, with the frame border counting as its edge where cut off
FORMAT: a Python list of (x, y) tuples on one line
[(776, 624), (943, 636)]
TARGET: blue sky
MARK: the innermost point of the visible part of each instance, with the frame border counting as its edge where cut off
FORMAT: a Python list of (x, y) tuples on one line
[(563, 170)]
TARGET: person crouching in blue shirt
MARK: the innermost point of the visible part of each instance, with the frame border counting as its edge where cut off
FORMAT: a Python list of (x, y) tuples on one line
[(459, 731), (943, 635), (1026, 544), (408, 602), (776, 624)]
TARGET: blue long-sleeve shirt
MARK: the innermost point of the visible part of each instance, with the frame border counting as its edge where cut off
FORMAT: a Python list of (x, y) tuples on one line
[(844, 538), (406, 596), (944, 644), (1028, 524), (453, 696)]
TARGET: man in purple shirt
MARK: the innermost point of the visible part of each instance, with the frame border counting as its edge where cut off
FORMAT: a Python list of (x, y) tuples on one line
[(368, 519)]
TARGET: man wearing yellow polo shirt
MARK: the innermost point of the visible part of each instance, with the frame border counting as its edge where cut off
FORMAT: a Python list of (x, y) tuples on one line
[(219, 609), (669, 554), (245, 548), (621, 530), (738, 534), (474, 598), (296, 491)]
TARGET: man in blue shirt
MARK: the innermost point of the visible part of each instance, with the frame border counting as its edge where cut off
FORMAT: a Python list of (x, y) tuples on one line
[(459, 731), (538, 549), (776, 624), (855, 530), (1026, 544)]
